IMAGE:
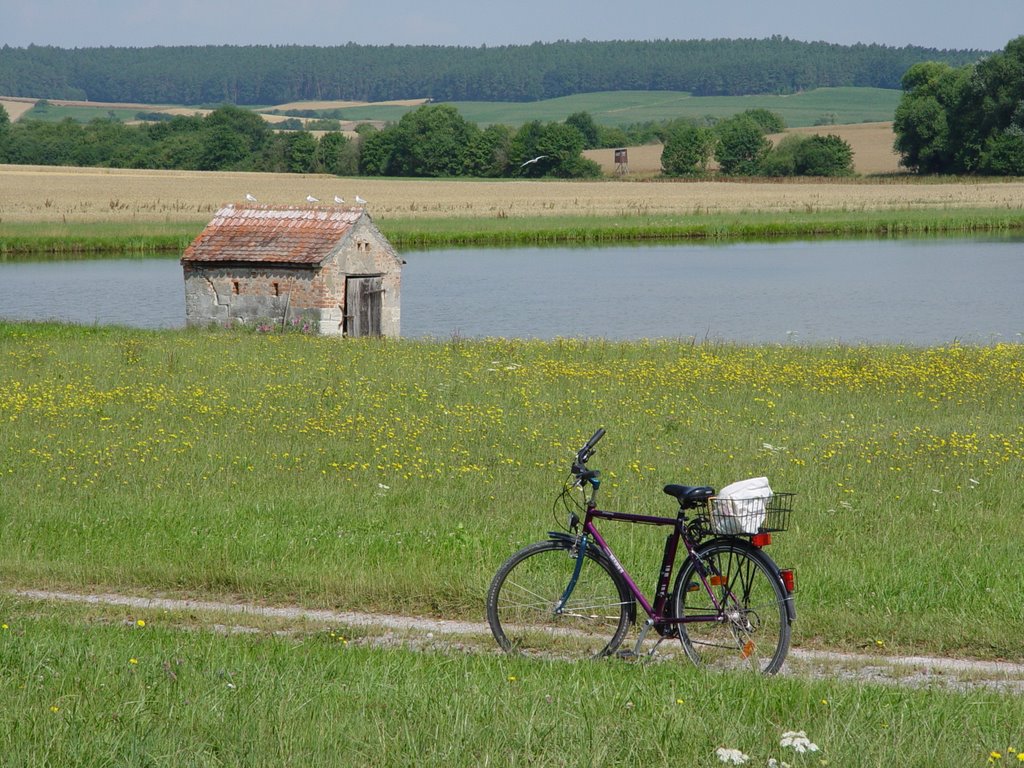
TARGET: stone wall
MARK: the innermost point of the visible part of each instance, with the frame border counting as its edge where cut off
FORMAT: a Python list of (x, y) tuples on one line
[(255, 295)]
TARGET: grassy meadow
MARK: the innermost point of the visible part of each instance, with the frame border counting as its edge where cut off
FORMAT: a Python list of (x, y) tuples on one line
[(88, 686), (396, 476)]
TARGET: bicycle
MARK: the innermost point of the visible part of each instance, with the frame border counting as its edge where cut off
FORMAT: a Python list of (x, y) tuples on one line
[(731, 606)]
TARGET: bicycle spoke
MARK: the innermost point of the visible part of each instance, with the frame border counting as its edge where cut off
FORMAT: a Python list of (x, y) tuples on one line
[(751, 626), (523, 597)]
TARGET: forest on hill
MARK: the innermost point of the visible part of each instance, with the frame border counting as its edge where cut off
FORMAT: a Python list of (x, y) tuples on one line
[(264, 75)]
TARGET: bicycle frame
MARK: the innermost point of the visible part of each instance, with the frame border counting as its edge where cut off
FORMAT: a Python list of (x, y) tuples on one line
[(657, 615)]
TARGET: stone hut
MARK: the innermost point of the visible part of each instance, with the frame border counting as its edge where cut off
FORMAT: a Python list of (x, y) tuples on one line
[(326, 266)]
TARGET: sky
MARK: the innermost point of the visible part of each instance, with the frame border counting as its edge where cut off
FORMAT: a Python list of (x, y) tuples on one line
[(978, 24)]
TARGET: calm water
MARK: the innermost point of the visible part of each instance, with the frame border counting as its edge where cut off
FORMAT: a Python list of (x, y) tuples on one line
[(908, 291)]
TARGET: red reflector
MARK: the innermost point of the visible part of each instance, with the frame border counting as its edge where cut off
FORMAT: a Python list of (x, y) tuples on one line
[(761, 539), (788, 580)]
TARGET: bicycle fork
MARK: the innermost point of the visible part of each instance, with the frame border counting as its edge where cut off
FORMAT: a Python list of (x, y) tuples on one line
[(580, 550)]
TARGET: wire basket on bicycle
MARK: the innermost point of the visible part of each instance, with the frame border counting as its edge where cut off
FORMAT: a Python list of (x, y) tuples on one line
[(739, 517)]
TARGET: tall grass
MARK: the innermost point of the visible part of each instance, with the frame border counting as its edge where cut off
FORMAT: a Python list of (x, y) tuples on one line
[(94, 687), (396, 476), (24, 240), (695, 226)]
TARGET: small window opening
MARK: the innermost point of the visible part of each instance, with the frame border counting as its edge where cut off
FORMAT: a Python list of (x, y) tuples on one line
[(277, 289), (234, 286)]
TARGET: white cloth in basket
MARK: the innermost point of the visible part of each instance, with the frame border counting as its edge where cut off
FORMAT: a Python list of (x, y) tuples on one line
[(740, 507)]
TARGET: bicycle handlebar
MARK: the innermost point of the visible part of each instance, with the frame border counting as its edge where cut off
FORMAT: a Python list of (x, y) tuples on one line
[(583, 454)]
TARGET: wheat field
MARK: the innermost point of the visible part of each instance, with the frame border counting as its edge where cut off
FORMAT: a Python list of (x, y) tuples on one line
[(872, 145), (16, 107), (341, 104), (59, 194)]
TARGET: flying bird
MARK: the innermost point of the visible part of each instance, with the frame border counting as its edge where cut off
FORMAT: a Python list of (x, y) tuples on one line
[(339, 200), (529, 162), (360, 201), (250, 198), (311, 199)]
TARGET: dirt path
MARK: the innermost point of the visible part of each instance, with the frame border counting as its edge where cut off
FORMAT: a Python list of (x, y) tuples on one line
[(441, 634)]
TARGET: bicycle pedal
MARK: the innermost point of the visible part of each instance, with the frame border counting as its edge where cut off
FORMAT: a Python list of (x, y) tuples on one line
[(626, 655)]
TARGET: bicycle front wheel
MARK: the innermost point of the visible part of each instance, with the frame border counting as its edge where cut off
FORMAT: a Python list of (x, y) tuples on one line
[(735, 609), (533, 609)]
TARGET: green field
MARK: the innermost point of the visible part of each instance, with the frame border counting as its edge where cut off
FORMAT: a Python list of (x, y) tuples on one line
[(613, 108), (91, 686), (394, 477), (621, 108), (55, 113)]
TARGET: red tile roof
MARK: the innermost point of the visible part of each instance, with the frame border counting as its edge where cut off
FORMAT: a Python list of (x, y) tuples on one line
[(261, 233)]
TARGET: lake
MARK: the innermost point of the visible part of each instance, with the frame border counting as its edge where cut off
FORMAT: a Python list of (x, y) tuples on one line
[(912, 291)]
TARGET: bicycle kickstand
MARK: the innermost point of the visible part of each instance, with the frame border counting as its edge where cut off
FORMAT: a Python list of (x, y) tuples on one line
[(635, 653)]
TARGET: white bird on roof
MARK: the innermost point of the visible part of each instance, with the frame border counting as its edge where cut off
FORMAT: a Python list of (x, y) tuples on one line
[(360, 201), (528, 162), (339, 200), (311, 199), (250, 198)]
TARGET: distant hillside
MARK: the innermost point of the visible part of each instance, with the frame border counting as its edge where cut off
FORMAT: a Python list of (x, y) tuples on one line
[(262, 75)]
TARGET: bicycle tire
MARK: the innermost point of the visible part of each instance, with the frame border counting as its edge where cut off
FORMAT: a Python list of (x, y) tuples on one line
[(751, 629), (526, 588)]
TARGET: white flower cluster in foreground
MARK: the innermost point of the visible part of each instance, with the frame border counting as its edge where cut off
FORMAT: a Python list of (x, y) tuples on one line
[(798, 740), (733, 756), (795, 740)]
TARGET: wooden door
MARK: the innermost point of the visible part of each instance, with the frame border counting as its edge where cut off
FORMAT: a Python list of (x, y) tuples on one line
[(363, 305)]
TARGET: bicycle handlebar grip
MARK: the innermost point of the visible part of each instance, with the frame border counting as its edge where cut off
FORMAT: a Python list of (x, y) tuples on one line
[(586, 449)]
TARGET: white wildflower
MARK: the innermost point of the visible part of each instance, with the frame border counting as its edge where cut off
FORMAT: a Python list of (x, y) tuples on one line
[(773, 763), (798, 741), (733, 756)]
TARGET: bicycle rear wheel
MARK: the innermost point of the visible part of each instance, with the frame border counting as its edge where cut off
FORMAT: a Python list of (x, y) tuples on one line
[(523, 598), (746, 624)]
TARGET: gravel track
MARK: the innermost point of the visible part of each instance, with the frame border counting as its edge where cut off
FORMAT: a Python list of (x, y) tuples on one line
[(444, 634)]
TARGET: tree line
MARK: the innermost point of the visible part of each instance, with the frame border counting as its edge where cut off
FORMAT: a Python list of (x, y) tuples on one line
[(434, 140), (267, 75), (741, 148), (967, 119), (431, 141), (229, 138)]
